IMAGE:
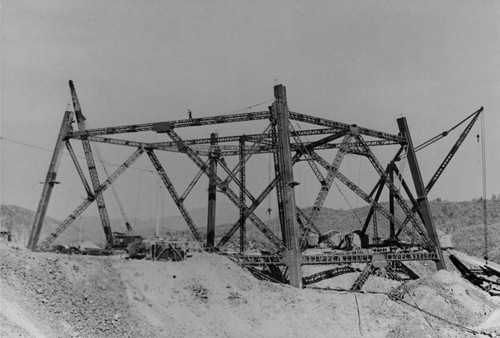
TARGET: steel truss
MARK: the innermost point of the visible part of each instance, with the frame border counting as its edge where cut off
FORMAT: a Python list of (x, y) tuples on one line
[(288, 146)]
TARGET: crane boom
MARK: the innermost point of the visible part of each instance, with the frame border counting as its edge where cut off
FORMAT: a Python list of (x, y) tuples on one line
[(447, 159), (453, 151)]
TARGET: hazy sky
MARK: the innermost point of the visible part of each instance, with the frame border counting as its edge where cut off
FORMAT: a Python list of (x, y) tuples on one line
[(363, 62)]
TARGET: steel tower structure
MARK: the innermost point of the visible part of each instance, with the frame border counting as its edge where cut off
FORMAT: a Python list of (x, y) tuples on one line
[(288, 148)]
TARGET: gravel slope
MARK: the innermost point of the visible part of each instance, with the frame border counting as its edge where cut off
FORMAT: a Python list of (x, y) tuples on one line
[(44, 294)]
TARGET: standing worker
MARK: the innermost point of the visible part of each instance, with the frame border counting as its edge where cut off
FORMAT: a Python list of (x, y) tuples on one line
[(190, 114)]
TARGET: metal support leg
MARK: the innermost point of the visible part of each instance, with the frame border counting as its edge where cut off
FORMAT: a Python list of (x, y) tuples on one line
[(392, 230), (421, 192), (376, 239), (173, 193), (243, 238), (89, 157), (292, 254), (50, 181), (363, 277), (78, 168), (371, 213), (212, 192)]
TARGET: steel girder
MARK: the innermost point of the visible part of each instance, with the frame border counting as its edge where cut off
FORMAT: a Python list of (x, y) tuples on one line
[(260, 147), (335, 258), (158, 126), (50, 180), (173, 193), (89, 157), (317, 277)]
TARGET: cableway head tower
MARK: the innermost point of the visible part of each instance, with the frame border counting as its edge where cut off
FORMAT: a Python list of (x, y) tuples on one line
[(291, 139)]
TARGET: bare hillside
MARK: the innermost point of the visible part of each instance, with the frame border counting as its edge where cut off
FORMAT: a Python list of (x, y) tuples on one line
[(50, 295), (463, 220)]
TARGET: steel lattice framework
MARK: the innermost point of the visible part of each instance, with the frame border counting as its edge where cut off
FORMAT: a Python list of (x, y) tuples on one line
[(287, 147)]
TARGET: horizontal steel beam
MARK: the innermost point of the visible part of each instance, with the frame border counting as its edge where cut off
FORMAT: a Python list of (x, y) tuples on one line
[(334, 258), (333, 124), (331, 127), (253, 137), (226, 150), (134, 128)]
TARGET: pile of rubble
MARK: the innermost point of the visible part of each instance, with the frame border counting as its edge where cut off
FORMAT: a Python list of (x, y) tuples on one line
[(70, 295)]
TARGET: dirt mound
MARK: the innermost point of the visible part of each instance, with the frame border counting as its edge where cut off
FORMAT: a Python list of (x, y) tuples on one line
[(67, 295), (210, 296), (449, 298)]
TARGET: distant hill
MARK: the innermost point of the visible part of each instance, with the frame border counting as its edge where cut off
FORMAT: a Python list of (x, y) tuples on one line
[(146, 227), (19, 221), (463, 220)]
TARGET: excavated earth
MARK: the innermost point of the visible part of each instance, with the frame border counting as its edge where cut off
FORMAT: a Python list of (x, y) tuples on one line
[(207, 295)]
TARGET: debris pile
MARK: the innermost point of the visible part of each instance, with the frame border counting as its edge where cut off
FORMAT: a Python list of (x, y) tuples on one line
[(73, 295), (445, 299)]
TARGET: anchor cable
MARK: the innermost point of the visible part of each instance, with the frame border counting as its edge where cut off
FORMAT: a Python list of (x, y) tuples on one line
[(483, 164)]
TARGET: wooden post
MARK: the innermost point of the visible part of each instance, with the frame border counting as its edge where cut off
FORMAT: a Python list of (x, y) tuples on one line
[(421, 192), (50, 181)]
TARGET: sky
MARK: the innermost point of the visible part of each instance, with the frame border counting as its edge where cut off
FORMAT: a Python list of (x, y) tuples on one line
[(362, 62)]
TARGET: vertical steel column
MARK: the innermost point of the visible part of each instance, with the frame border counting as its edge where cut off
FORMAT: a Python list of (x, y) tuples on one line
[(291, 255), (212, 192), (50, 181), (378, 187), (376, 239), (392, 230), (243, 229), (421, 192), (277, 171)]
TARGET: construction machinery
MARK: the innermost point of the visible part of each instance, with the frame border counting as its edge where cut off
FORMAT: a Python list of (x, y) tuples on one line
[(121, 240), (137, 249)]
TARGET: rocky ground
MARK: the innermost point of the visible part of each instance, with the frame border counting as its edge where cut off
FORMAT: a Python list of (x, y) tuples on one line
[(64, 296), (55, 295)]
